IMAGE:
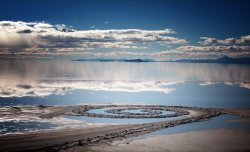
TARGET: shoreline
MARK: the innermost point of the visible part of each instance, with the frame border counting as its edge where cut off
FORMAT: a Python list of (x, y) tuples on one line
[(217, 140), (63, 139)]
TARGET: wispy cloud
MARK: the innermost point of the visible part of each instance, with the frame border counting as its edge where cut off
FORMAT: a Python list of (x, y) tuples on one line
[(92, 27)]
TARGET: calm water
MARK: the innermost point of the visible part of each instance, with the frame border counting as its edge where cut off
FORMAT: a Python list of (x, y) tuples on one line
[(121, 121), (222, 121), (65, 83), (33, 82), (8, 127), (103, 111)]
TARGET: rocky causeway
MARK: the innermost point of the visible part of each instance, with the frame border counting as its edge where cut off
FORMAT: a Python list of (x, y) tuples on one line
[(65, 138)]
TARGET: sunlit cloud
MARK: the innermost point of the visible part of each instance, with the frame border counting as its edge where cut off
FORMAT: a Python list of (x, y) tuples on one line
[(194, 51), (227, 41), (213, 48), (41, 39), (40, 35)]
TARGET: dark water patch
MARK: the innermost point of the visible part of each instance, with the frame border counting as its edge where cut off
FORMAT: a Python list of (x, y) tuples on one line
[(8, 127)]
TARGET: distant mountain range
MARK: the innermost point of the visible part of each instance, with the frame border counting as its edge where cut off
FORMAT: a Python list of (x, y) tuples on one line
[(223, 60), (114, 60)]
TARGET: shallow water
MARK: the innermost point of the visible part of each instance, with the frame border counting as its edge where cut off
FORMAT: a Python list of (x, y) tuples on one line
[(9, 127), (222, 121), (120, 121), (103, 111)]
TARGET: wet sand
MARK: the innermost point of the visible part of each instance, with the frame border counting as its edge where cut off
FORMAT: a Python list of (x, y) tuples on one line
[(217, 140), (243, 113), (75, 138)]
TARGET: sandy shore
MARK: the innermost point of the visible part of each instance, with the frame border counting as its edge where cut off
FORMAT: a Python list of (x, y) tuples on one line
[(218, 140), (243, 113), (81, 138)]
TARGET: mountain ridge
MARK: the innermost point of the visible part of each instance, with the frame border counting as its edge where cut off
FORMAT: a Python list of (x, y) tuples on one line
[(223, 60)]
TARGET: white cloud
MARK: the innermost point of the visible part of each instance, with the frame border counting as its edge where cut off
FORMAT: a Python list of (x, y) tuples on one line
[(213, 48), (33, 39), (19, 36), (227, 41), (207, 51)]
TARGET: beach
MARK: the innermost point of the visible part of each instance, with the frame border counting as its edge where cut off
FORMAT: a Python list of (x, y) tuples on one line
[(217, 140), (95, 136)]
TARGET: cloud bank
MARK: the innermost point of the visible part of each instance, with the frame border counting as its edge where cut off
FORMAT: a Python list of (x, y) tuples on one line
[(41, 39), (227, 41)]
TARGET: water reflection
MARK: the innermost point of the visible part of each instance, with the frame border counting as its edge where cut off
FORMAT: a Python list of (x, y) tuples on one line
[(27, 70), (35, 78), (45, 88)]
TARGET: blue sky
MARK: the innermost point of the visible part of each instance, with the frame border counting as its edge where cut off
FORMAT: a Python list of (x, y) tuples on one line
[(195, 29)]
